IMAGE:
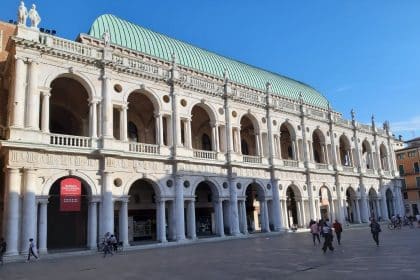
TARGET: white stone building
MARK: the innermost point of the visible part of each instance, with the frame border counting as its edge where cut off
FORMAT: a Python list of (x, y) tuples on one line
[(171, 142)]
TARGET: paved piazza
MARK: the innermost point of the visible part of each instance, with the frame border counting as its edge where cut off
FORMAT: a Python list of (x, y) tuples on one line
[(289, 256)]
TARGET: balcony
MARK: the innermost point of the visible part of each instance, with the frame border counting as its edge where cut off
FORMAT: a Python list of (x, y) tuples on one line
[(252, 159), (290, 163), (348, 168), (70, 141), (321, 166), (143, 148), (205, 154)]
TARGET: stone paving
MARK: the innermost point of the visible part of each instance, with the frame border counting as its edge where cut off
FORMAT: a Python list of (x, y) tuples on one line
[(285, 256)]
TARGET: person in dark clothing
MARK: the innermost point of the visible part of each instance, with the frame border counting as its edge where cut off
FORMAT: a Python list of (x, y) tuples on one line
[(338, 230), (328, 236), (3, 247), (375, 229), (32, 250)]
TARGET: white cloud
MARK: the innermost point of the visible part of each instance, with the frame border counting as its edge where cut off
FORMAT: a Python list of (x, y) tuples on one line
[(412, 124)]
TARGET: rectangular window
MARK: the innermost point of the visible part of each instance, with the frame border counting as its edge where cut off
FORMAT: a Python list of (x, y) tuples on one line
[(400, 156), (405, 195), (401, 169), (412, 154), (416, 168), (418, 182)]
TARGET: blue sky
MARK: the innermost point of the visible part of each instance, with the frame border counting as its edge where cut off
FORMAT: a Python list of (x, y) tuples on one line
[(360, 54)]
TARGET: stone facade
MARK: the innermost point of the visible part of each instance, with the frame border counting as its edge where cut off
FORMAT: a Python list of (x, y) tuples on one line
[(114, 119)]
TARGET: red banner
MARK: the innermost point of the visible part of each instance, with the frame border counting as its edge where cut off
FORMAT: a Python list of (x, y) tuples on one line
[(70, 195)]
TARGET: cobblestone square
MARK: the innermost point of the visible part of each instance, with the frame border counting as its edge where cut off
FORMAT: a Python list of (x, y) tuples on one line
[(285, 256)]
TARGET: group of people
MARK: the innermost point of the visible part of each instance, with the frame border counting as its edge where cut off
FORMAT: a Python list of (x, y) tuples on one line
[(110, 243), (325, 229)]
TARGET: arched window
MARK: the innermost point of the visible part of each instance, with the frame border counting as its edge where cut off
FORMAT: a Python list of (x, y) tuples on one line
[(205, 142), (244, 147), (132, 132)]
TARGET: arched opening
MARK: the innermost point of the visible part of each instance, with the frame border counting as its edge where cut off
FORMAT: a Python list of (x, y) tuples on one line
[(367, 159), (373, 204), (140, 114), (384, 157), (205, 199), (69, 110), (292, 211), (67, 221), (142, 212), (200, 129), (248, 135), (390, 203), (286, 142), (352, 211), (345, 151), (325, 203), (254, 195), (318, 146)]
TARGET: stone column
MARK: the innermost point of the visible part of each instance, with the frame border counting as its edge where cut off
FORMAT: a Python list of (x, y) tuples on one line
[(45, 117), (384, 209), (32, 98), (215, 144), (340, 205), (12, 210), (159, 129), (302, 202), (43, 203), (218, 209), (191, 227), (179, 208), (123, 123), (107, 204), (364, 209), (233, 202), (277, 211), (123, 222), (93, 119), (333, 213), (18, 105), (29, 209), (161, 220), (93, 224), (107, 108), (244, 223), (257, 144), (265, 221), (357, 208), (299, 213)]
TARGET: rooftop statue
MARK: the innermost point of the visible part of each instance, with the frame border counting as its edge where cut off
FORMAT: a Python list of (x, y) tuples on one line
[(107, 38), (34, 17), (22, 14)]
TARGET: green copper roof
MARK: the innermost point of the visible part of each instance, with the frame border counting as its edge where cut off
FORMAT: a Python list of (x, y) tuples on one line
[(132, 36)]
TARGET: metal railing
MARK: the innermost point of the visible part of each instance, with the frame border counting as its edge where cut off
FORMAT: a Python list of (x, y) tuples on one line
[(205, 154), (70, 141), (252, 159), (144, 148)]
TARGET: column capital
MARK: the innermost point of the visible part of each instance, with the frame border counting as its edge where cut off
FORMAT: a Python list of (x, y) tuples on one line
[(94, 199), (11, 169), (42, 199), (45, 91), (19, 57), (94, 101), (124, 198), (29, 170)]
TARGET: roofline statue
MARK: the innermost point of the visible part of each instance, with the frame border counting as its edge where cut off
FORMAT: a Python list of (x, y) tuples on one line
[(107, 38), (34, 17), (22, 14)]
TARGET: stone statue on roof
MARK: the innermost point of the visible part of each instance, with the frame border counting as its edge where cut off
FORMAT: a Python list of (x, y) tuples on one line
[(107, 38), (22, 14), (34, 17)]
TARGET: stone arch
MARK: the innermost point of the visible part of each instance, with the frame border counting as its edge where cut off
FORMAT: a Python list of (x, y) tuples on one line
[(352, 213), (53, 178), (383, 152), (150, 179), (78, 76), (213, 184), (150, 93), (325, 202), (367, 155), (202, 121), (287, 141), (345, 151), (248, 130), (318, 146), (210, 110)]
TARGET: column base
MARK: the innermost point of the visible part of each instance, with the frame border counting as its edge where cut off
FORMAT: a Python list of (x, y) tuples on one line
[(12, 253), (43, 251)]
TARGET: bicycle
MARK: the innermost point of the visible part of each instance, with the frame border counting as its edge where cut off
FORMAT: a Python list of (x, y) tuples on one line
[(392, 225)]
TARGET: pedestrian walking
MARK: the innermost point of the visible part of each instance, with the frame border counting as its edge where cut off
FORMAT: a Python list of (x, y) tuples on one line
[(107, 245), (338, 230), (375, 229), (3, 247), (328, 236), (32, 250), (314, 228)]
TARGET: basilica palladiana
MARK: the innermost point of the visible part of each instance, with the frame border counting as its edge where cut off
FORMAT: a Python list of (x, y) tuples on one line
[(128, 131)]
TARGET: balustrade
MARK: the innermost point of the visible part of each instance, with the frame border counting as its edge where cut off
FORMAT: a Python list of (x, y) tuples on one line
[(205, 154), (252, 159), (70, 141), (290, 163), (144, 148)]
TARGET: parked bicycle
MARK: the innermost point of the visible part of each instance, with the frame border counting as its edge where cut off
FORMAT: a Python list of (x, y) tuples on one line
[(394, 225)]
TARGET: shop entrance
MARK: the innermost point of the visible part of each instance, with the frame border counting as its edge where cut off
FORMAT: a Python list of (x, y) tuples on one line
[(67, 219)]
